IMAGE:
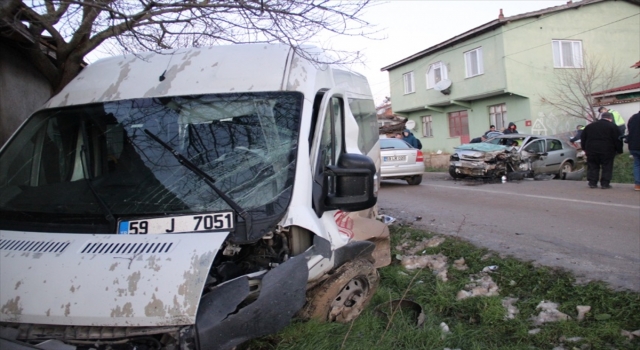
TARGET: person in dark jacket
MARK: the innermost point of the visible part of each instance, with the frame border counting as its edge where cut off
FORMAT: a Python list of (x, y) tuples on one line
[(511, 129), (601, 143), (407, 135), (633, 138)]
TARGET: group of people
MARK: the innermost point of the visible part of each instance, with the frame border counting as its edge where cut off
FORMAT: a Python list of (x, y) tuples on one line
[(511, 129), (602, 140)]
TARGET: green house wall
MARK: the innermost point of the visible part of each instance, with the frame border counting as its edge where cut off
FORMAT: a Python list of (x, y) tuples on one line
[(518, 71)]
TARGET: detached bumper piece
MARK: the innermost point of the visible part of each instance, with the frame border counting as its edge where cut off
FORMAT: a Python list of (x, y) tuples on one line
[(222, 323)]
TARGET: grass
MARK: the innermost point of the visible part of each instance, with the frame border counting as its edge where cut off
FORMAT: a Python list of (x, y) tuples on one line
[(477, 322), (623, 169)]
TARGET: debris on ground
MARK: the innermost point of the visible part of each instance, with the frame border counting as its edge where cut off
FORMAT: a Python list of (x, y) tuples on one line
[(460, 264), (570, 340), (582, 310), (437, 263), (486, 257), (420, 246), (482, 285), (386, 219), (549, 313), (445, 329), (512, 311), (490, 268), (535, 331), (630, 335)]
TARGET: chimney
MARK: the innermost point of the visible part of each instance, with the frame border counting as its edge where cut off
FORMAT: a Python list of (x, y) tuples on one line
[(569, 2), (500, 16)]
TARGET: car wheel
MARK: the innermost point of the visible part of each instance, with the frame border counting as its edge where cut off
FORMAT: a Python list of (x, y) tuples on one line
[(414, 180), (566, 167), (452, 172), (344, 295)]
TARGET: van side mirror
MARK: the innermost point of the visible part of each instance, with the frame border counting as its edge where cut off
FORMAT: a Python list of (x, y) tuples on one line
[(347, 186)]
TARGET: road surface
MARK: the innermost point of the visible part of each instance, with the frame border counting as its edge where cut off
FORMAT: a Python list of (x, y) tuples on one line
[(595, 233)]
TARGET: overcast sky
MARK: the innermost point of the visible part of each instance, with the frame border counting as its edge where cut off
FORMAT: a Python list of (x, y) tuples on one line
[(412, 26)]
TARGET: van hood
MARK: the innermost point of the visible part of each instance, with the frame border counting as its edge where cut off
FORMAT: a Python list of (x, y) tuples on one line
[(104, 280)]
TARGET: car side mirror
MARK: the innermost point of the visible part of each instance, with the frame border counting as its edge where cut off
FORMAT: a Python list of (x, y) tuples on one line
[(349, 185)]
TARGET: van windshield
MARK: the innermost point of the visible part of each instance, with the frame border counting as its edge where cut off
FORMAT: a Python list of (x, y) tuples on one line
[(86, 164)]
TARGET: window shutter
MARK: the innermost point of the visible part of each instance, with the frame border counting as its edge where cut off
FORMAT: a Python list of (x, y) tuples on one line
[(480, 62), (577, 54), (556, 54)]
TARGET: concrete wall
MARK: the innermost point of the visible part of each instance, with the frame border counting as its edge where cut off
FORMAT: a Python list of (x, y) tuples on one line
[(22, 90)]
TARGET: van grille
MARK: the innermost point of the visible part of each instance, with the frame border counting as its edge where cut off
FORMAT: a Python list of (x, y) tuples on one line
[(126, 248), (31, 246)]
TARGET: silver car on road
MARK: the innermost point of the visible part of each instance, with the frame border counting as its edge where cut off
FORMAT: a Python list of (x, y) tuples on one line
[(401, 161)]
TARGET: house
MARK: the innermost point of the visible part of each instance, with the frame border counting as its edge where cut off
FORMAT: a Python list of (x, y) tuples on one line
[(499, 72), (23, 89), (624, 99)]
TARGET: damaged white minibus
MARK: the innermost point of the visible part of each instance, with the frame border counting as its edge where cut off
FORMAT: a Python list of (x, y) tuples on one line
[(192, 199)]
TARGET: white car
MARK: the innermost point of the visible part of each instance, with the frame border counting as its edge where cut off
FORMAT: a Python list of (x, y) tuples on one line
[(401, 161)]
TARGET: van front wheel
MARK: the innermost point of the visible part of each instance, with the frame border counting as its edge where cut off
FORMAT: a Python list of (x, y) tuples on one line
[(344, 295)]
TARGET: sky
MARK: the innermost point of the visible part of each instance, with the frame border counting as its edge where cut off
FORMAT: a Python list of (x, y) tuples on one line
[(407, 27)]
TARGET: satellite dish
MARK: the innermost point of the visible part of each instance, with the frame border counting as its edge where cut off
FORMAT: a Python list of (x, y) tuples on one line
[(410, 124), (443, 86)]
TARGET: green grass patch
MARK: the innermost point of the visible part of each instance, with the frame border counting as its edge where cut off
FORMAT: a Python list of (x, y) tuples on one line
[(476, 322), (623, 169)]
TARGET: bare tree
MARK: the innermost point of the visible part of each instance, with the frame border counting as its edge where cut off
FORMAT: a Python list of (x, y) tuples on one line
[(571, 91), (73, 28)]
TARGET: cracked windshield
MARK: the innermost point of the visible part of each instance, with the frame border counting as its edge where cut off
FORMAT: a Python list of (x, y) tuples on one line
[(152, 156)]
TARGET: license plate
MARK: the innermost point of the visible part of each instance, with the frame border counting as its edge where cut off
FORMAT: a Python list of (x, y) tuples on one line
[(178, 224), (394, 158)]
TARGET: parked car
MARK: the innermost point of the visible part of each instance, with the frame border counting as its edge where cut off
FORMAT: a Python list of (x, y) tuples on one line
[(526, 155), (401, 161)]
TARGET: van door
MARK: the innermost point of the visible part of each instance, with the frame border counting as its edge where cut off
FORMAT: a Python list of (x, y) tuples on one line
[(328, 145)]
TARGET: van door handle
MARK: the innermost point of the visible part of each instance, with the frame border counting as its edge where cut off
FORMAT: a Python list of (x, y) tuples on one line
[(562, 154)]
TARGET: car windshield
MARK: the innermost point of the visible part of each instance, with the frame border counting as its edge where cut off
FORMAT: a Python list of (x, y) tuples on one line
[(93, 161), (394, 144)]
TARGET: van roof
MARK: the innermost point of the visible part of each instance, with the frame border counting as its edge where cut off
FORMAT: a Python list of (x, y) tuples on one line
[(187, 71)]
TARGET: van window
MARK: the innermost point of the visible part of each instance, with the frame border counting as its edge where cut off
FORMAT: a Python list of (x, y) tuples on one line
[(77, 160), (364, 111)]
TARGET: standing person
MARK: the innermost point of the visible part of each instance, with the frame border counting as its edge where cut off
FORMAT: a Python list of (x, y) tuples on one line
[(576, 138), (617, 118), (407, 135), (633, 138), (601, 143), (511, 129)]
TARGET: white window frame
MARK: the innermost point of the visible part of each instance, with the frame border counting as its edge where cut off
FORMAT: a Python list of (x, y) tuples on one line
[(431, 74), (498, 111), (474, 66), (427, 126), (564, 59), (409, 83)]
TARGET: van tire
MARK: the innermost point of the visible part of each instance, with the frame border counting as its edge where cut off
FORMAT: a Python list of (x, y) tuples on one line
[(343, 296), (414, 180)]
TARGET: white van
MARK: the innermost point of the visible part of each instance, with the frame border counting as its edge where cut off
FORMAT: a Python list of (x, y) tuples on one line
[(190, 200)]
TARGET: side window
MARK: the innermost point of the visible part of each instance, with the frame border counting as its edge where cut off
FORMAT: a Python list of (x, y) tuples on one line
[(553, 145), (535, 147), (331, 142)]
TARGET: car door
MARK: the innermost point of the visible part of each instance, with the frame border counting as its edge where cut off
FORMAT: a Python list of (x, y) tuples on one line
[(555, 155), (535, 149)]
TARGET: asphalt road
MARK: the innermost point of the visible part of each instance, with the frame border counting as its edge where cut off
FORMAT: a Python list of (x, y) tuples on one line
[(595, 233)]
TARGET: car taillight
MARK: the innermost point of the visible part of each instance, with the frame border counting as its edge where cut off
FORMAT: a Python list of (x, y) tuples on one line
[(419, 157)]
